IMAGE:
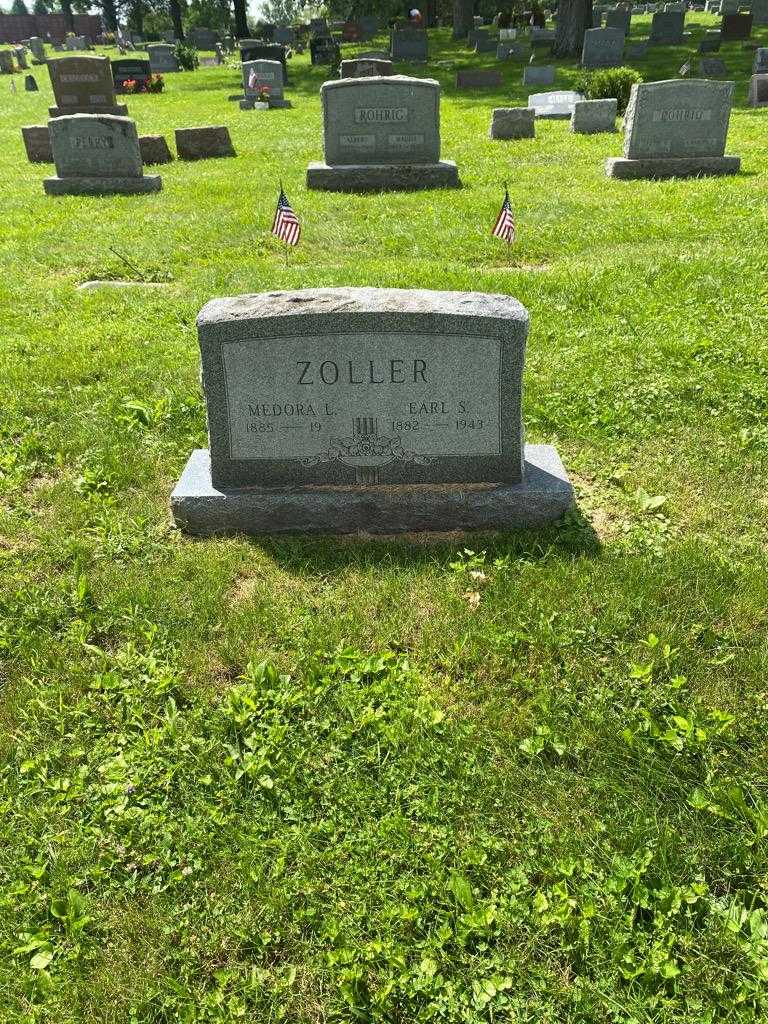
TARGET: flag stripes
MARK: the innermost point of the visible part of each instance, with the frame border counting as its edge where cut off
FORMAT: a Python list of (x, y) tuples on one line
[(504, 227), (286, 224)]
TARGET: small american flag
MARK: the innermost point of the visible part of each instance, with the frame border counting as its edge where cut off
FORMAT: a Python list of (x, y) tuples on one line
[(252, 79), (685, 69), (286, 224), (504, 227)]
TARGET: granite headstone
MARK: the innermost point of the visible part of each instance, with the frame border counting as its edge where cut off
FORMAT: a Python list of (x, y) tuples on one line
[(383, 410), (97, 154)]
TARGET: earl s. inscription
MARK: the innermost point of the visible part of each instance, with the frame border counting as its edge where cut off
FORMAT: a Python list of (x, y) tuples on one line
[(416, 395)]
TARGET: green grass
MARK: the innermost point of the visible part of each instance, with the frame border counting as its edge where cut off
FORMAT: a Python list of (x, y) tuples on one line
[(313, 779)]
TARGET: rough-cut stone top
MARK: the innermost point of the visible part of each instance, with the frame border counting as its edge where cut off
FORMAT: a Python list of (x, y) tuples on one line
[(344, 301), (387, 81)]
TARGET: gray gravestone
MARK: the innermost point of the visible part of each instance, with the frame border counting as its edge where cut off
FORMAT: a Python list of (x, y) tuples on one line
[(409, 44), (97, 154), (37, 46), (162, 58), (535, 75), (603, 48), (593, 116), (30, 84), (285, 34), (676, 129), (381, 133), (712, 67), (369, 26), (667, 28), (710, 43), (21, 58), (621, 19), (513, 123), (269, 75), (478, 78), (554, 106), (83, 85), (365, 67), (37, 143), (154, 150), (542, 36), (507, 51), (758, 91), (760, 63), (6, 62), (384, 410), (203, 38), (760, 12), (203, 143), (636, 51)]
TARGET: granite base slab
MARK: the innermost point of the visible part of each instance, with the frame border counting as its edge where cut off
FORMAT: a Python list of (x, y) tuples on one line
[(102, 186), (201, 509), (670, 167), (382, 177), (246, 103), (118, 110)]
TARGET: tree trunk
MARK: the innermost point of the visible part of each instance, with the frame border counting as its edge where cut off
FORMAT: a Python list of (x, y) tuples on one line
[(137, 16), (463, 11), (574, 17), (69, 18), (174, 7), (110, 15), (241, 19)]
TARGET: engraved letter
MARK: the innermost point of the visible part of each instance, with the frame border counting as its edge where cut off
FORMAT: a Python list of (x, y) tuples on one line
[(304, 372), (335, 372), (419, 369)]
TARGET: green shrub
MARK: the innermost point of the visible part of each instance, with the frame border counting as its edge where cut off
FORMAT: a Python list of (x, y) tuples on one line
[(187, 57), (607, 84)]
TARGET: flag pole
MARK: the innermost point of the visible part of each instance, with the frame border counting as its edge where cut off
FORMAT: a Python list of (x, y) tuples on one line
[(509, 240)]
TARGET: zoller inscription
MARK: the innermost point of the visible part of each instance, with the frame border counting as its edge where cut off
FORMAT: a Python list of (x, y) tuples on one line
[(303, 398)]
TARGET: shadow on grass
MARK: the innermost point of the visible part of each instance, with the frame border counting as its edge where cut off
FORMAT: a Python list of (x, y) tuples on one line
[(571, 537)]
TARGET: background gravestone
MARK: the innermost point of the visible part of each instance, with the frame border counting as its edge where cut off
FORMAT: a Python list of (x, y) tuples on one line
[(712, 68), (554, 106), (409, 44), (162, 58), (203, 143), (366, 68), (478, 78), (667, 28), (676, 129), (710, 43), (621, 19), (384, 391), (513, 123), (130, 69), (269, 73), (760, 63), (591, 117), (535, 75), (603, 48), (254, 49), (203, 38), (37, 143), (760, 12), (97, 154), (381, 133), (83, 85), (736, 26), (324, 50), (758, 91)]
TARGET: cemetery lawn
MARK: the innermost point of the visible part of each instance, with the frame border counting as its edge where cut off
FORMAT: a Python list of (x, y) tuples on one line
[(509, 778)]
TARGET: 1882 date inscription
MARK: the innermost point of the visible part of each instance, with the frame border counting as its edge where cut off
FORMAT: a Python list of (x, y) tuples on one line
[(429, 396)]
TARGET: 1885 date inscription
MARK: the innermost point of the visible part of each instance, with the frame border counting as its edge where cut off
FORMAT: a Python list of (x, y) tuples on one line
[(359, 397)]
